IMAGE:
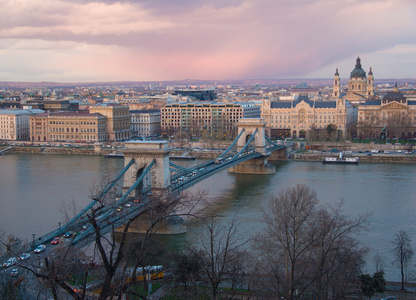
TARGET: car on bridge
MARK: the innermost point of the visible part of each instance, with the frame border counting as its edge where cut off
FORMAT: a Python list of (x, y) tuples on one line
[(10, 262), (40, 249), (68, 234), (55, 241), (128, 204), (24, 256), (14, 273)]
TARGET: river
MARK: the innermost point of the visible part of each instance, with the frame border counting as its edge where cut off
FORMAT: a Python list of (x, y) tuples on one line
[(34, 189)]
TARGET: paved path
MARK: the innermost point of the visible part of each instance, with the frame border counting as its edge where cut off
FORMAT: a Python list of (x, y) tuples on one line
[(160, 292)]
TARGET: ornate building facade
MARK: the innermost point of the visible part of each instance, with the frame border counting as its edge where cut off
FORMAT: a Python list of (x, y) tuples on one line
[(394, 116), (296, 118)]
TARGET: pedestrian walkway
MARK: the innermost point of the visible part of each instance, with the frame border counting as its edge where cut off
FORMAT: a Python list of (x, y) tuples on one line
[(160, 292)]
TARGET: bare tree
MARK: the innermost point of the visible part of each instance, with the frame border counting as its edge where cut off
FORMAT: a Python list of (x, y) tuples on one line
[(351, 131), (186, 270), (113, 252), (399, 124), (221, 252), (182, 139), (368, 128), (10, 288), (403, 253), (305, 249), (379, 262)]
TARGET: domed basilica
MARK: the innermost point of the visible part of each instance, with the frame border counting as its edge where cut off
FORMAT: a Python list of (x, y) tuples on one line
[(360, 87)]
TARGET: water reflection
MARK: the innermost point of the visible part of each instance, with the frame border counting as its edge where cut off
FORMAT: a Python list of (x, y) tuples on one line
[(35, 186)]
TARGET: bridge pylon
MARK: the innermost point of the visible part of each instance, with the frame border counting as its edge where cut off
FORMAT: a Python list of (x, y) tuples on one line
[(258, 165), (143, 153)]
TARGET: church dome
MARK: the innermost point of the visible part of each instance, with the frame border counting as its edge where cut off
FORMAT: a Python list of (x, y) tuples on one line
[(358, 71)]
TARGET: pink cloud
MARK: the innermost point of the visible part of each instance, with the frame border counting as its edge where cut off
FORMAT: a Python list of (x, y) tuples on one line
[(155, 40)]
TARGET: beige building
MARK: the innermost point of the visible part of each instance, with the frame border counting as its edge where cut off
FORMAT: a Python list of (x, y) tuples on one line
[(296, 118), (210, 118), (118, 120), (394, 115), (14, 123), (68, 127)]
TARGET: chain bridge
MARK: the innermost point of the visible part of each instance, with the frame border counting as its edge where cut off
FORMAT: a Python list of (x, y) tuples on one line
[(147, 169)]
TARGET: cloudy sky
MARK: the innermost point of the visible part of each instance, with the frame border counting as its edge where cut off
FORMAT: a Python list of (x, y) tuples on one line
[(140, 40)]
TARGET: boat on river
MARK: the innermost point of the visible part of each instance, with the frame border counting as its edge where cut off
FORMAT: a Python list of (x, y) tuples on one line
[(341, 159), (115, 155)]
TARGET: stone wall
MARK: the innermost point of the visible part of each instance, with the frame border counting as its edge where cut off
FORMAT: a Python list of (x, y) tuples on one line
[(57, 150)]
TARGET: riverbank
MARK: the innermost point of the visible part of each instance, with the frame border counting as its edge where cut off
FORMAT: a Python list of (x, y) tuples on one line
[(102, 151), (318, 156), (300, 155)]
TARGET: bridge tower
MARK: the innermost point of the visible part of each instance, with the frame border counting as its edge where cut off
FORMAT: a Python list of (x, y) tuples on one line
[(143, 153), (259, 165)]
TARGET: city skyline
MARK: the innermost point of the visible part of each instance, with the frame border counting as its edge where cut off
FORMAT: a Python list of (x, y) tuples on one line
[(87, 41)]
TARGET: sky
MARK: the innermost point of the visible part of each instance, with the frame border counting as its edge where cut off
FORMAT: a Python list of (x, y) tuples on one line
[(158, 40)]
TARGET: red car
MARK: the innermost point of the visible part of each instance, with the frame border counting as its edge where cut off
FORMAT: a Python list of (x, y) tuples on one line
[(137, 200), (55, 241)]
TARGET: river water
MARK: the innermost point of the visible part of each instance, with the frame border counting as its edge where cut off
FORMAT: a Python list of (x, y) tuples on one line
[(36, 190)]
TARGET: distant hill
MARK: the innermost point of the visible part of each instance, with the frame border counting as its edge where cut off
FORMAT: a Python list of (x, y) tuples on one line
[(190, 82)]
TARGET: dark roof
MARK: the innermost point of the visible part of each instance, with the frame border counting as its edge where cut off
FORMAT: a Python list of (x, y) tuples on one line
[(394, 96), (325, 104), (411, 102), (79, 113), (281, 104), (135, 111), (316, 104), (303, 98), (372, 102), (358, 71)]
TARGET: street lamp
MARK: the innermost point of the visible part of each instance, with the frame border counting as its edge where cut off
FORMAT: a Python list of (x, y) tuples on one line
[(33, 236), (59, 224)]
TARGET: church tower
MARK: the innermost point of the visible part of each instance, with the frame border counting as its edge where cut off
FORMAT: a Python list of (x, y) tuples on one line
[(336, 88), (370, 84), (358, 80)]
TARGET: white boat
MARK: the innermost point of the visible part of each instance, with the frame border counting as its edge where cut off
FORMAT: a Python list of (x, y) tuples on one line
[(114, 155), (341, 159)]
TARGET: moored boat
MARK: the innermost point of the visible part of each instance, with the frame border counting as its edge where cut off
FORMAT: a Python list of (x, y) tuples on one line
[(114, 155), (340, 160)]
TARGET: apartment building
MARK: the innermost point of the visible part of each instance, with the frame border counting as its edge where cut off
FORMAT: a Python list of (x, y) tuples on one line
[(205, 117), (144, 123), (68, 127), (14, 123)]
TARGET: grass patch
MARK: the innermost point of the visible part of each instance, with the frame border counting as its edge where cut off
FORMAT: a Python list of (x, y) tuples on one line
[(139, 289)]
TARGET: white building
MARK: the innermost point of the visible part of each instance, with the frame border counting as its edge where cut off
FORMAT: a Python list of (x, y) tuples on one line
[(144, 123), (14, 123)]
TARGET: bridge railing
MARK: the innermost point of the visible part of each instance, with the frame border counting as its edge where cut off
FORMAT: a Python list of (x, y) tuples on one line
[(211, 169), (71, 224)]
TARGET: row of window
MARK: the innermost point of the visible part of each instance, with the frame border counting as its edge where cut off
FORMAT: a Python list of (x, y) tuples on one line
[(71, 123)]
